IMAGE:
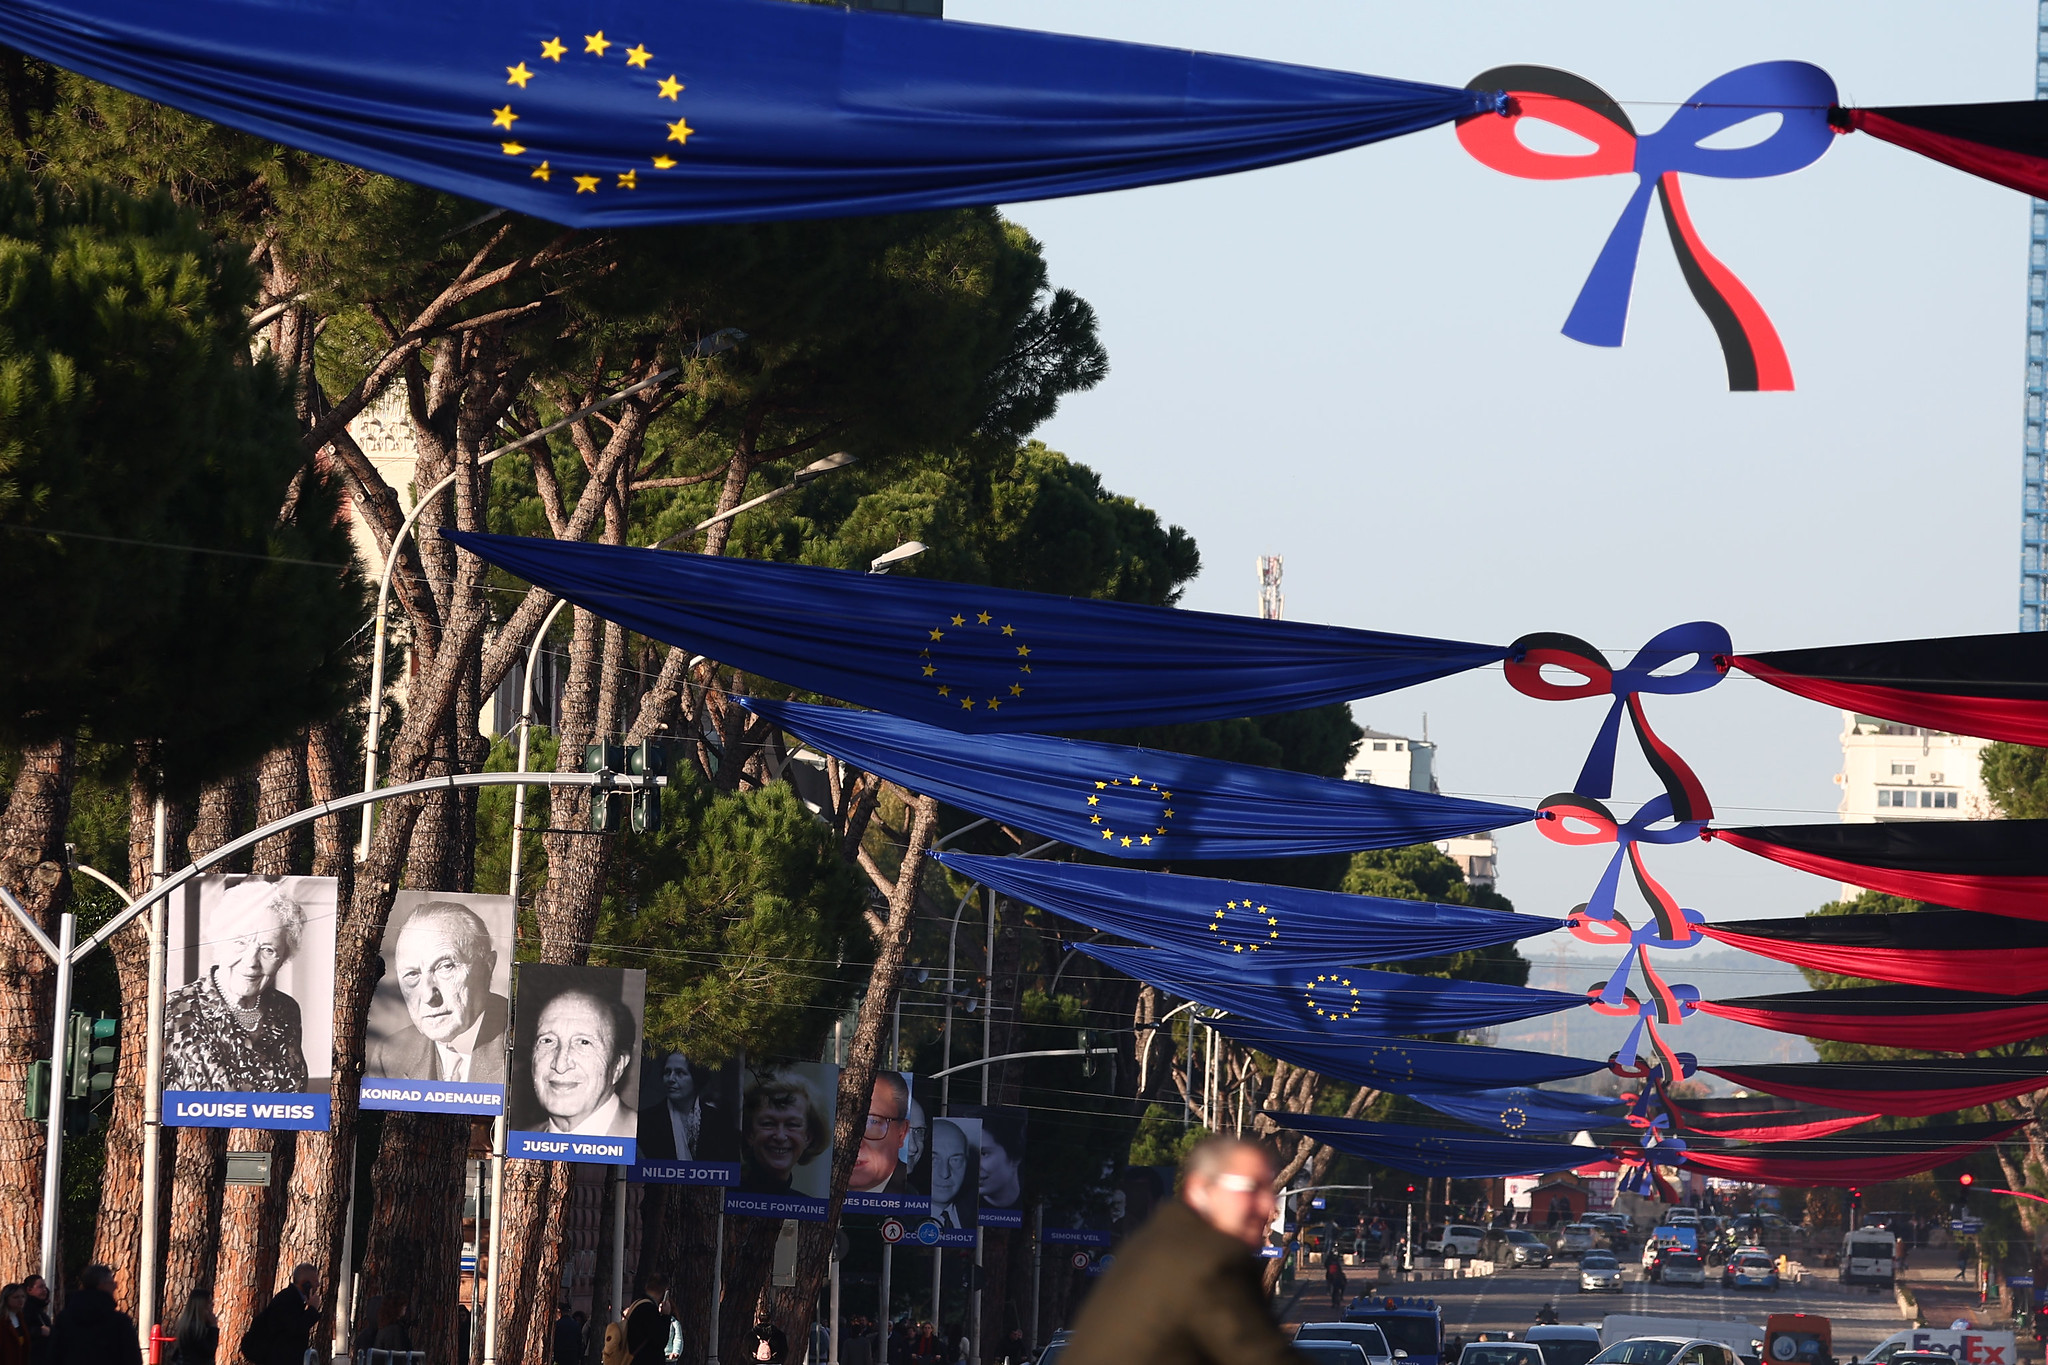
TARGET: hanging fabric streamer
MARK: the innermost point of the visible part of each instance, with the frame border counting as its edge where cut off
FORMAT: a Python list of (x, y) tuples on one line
[(707, 111), (1703, 642), (1521, 1109), (1990, 686), (2005, 142), (1911, 1088), (1927, 1018), (1954, 949), (1997, 866), (1854, 1158), (1388, 1063), (1221, 920), (1458, 1152), (1145, 805), (1799, 94), (1760, 1118)]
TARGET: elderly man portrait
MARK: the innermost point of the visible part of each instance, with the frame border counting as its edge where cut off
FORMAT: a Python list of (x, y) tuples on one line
[(232, 1029), (443, 959), (879, 1167), (956, 1168), (583, 1043)]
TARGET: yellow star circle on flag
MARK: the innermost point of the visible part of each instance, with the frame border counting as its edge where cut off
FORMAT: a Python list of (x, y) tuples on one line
[(961, 628), (1339, 997), (1257, 916), (625, 175), (1138, 786)]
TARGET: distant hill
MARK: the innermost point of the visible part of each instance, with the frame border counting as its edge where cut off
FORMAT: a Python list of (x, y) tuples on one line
[(1718, 973)]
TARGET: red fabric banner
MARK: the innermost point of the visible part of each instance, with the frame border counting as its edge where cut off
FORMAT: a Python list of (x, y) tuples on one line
[(2007, 971), (1962, 1030), (2012, 169), (2015, 720), (2020, 897)]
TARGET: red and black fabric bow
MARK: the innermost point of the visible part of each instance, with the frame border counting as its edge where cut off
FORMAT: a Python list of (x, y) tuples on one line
[(1949, 948), (1759, 1118), (1852, 1159), (1991, 686), (1701, 642), (1926, 1018), (1997, 866)]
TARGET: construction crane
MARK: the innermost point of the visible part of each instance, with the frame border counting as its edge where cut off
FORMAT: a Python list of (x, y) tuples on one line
[(2033, 505)]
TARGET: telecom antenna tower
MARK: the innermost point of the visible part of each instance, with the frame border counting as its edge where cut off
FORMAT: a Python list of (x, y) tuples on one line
[(1271, 601), (2033, 506)]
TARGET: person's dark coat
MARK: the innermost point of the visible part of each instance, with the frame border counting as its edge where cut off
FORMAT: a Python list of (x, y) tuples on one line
[(281, 1331), (646, 1332), (91, 1331), (1180, 1293), (717, 1134), (568, 1340)]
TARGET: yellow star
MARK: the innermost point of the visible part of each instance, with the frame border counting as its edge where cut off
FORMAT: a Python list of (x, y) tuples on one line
[(994, 704), (938, 635), (553, 49), (959, 620), (1102, 786), (1108, 833), (1116, 781), (1094, 800), (1237, 947), (518, 75), (662, 163), (512, 148), (637, 55), (1160, 829), (541, 172), (929, 670), (1144, 838), (982, 619), (586, 184), (967, 703), (1094, 819), (1023, 651), (1009, 630), (670, 88), (502, 118), (1276, 934), (1255, 947), (596, 42), (1169, 812), (680, 131), (1023, 668), (924, 654), (1137, 781), (629, 180), (945, 691), (1016, 689), (1127, 841)]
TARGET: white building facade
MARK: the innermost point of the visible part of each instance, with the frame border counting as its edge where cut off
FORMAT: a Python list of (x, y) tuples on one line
[(1903, 772), (1386, 760)]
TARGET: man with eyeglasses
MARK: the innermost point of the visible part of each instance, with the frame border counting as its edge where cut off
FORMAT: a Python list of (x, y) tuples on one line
[(443, 958), (879, 1166), (1185, 1288)]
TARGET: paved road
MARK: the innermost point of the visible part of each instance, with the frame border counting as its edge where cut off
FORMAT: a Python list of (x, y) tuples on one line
[(1508, 1302)]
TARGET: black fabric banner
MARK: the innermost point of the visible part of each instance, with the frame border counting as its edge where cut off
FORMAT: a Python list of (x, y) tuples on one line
[(1761, 1118), (1912, 1088), (1924, 1017), (1997, 866), (1947, 948)]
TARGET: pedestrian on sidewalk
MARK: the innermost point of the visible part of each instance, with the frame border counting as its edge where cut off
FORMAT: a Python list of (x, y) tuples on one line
[(1962, 1260), (1333, 1275), (90, 1330)]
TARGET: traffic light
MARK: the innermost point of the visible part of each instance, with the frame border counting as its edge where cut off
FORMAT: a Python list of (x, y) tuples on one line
[(106, 1056), (90, 1055), (1087, 1052), (647, 759), (607, 809), (78, 1056), (36, 1098), (1963, 1184)]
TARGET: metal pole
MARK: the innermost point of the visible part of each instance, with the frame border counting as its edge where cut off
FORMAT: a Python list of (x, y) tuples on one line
[(344, 1278), (1037, 1264), (619, 1243), (152, 1090), (988, 1000), (938, 1260), (832, 1338), (53, 1151), (974, 1337), (717, 1277), (882, 1322)]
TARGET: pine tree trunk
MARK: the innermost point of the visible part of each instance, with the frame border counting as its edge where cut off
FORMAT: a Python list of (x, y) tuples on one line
[(416, 1219), (602, 1309), (749, 1263), (32, 867), (795, 1307), (196, 1189)]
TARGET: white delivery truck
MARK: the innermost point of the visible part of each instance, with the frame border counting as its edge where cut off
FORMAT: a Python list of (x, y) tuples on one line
[(1867, 1256), (1741, 1337), (1968, 1345)]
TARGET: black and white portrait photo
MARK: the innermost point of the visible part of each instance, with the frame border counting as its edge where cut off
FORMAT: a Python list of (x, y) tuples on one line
[(575, 1057), (951, 1173), (442, 1012), (250, 1008), (689, 1112), (1002, 1164)]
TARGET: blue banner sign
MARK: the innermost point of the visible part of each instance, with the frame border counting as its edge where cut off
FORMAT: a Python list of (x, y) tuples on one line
[(646, 1172), (433, 1097), (244, 1109), (1081, 1237), (597, 1148)]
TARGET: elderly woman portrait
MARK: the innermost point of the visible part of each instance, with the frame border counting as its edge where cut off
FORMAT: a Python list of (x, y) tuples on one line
[(231, 1028), (783, 1126)]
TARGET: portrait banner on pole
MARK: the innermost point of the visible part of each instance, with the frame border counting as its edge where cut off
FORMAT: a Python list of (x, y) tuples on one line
[(1002, 1163), (249, 1018), (689, 1120), (786, 1116), (441, 1015), (575, 1074), (892, 1144)]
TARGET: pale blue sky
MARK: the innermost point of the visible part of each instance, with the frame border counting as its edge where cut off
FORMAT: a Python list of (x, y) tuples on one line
[(1355, 362)]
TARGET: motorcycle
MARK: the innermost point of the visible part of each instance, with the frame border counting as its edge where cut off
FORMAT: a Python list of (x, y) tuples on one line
[(1546, 1316)]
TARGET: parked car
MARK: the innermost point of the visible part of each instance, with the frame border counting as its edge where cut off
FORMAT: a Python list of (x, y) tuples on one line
[(1666, 1351), (1566, 1343), (1364, 1335), (1519, 1246), (1599, 1270), (1576, 1239), (1455, 1239), (1681, 1214), (1678, 1266), (1502, 1353), (1750, 1268), (1332, 1351)]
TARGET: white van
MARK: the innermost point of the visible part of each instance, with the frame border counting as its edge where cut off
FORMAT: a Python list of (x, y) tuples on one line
[(1867, 1256), (1455, 1239)]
